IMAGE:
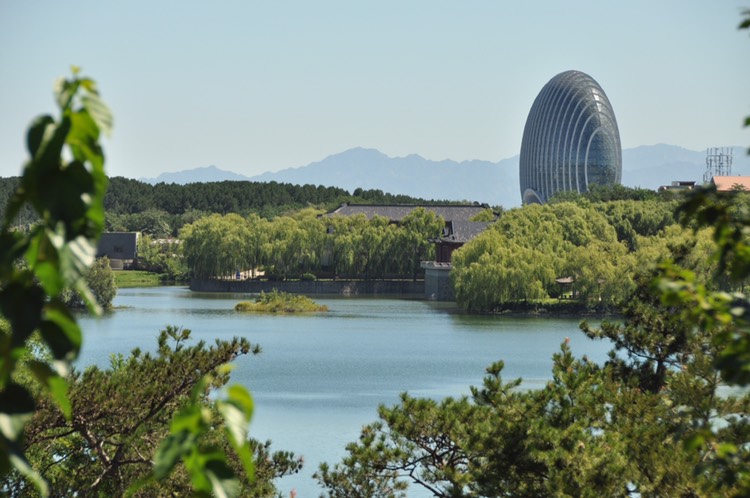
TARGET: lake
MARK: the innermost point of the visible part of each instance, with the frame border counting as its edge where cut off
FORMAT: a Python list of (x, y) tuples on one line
[(321, 377)]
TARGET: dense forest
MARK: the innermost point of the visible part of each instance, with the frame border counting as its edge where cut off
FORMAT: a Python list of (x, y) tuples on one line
[(162, 209)]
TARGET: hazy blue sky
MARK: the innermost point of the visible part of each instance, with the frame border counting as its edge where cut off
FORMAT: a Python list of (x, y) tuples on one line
[(260, 86)]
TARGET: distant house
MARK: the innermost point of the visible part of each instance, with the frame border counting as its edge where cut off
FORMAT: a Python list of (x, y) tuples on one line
[(731, 183), (458, 230), (455, 234), (678, 186), (120, 247)]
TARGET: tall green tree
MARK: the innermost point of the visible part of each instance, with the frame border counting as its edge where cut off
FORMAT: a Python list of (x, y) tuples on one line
[(420, 226), (520, 257), (217, 246), (101, 280)]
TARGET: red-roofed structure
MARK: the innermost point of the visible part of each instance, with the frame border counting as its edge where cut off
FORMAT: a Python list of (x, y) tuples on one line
[(731, 183)]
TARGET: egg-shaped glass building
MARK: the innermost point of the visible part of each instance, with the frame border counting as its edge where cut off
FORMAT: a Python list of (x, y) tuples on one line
[(570, 140)]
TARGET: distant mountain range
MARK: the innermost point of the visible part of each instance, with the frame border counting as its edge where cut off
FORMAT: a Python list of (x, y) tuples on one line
[(494, 183), (198, 175)]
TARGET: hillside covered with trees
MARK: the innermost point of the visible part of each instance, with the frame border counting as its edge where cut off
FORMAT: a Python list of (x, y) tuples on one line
[(161, 210)]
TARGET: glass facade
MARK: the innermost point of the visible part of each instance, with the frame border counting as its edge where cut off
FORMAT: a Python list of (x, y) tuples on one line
[(570, 140)]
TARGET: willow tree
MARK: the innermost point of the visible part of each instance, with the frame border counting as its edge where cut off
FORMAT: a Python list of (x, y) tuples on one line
[(259, 233), (345, 234), (419, 227), (520, 257), (217, 245)]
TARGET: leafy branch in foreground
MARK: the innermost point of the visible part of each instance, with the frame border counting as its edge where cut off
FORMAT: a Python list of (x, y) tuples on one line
[(35, 267), (81, 434)]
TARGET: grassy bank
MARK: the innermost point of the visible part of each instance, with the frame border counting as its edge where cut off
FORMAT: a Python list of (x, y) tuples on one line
[(135, 278)]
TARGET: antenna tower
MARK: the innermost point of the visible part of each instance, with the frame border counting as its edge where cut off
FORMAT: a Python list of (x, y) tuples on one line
[(718, 163)]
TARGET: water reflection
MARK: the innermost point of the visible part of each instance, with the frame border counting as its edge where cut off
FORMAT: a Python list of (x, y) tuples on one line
[(320, 377)]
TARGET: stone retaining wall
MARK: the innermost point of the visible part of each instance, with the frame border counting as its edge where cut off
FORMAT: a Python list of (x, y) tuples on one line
[(341, 287)]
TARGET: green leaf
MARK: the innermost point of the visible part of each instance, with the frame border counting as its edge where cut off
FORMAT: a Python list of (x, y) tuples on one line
[(44, 260), (224, 484), (16, 407), (724, 450), (237, 411), (68, 198), (99, 111), (60, 331), (89, 85), (694, 442), (92, 305), (189, 420), (48, 155), (56, 386), (83, 138), (76, 257), (21, 303), (171, 450), (37, 130), (64, 90), (12, 246)]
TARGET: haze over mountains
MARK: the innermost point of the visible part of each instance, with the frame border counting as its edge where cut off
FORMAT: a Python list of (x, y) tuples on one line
[(494, 183)]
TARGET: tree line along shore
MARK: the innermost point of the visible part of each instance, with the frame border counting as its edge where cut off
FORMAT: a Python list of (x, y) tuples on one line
[(578, 252)]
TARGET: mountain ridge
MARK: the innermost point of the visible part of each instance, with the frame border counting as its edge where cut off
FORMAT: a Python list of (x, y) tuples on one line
[(474, 180)]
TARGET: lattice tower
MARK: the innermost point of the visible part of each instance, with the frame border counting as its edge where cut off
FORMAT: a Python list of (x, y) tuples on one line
[(718, 163)]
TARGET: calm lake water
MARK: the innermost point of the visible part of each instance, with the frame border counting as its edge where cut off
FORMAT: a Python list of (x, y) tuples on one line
[(321, 377)]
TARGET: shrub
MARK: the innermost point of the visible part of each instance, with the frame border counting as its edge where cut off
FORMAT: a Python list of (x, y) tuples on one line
[(280, 302)]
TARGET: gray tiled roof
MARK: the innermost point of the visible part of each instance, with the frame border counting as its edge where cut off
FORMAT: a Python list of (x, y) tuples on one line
[(397, 212), (460, 232)]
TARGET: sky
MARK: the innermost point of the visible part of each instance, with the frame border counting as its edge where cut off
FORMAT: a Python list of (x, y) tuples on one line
[(252, 86)]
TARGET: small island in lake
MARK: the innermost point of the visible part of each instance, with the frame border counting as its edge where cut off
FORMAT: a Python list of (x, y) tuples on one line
[(280, 302)]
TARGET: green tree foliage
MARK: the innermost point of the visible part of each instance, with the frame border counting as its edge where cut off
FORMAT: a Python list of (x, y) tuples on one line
[(101, 280), (600, 245), (64, 182), (108, 445), (162, 256), (418, 227), (177, 205), (710, 308), (607, 193), (594, 430), (280, 302), (269, 199), (519, 258), (306, 243), (217, 245), (26, 215)]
